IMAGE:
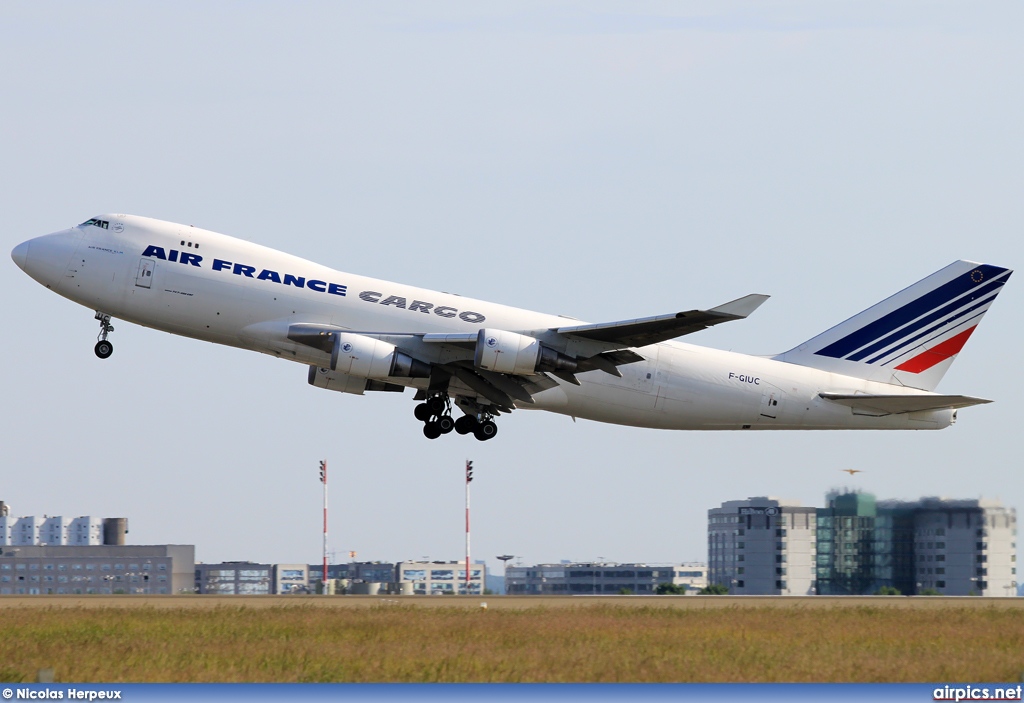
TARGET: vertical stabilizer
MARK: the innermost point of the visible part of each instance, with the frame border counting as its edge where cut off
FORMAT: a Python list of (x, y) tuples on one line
[(911, 338)]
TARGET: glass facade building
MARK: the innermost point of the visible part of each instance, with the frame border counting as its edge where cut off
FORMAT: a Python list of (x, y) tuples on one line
[(860, 545), (590, 578)]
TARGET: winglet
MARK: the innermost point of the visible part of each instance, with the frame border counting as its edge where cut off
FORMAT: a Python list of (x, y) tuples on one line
[(741, 307)]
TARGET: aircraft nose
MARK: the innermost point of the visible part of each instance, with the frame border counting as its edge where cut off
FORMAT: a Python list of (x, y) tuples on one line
[(46, 258), (20, 255)]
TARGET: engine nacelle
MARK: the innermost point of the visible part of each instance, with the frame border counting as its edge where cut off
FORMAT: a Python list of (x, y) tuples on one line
[(343, 383), (332, 381), (366, 357), (508, 352)]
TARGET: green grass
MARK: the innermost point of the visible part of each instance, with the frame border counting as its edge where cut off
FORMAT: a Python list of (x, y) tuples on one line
[(587, 643)]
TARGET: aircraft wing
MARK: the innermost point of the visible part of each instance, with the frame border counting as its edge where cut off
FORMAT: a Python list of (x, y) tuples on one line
[(505, 390), (898, 404), (651, 330)]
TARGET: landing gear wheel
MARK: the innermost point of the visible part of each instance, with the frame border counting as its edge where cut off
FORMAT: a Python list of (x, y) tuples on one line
[(437, 405), (485, 430), (466, 424), (422, 412), (103, 348), (431, 430), (445, 423)]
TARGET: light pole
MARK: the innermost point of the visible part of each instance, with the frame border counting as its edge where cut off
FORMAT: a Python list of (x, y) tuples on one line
[(323, 480), (601, 561), (469, 479)]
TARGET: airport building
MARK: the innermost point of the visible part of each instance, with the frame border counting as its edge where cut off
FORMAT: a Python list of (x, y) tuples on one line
[(576, 578), (857, 545), (442, 577), (54, 555), (96, 569), (246, 578), (366, 578), (361, 571)]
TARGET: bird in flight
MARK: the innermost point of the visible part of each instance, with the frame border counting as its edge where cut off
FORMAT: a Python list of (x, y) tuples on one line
[(851, 471)]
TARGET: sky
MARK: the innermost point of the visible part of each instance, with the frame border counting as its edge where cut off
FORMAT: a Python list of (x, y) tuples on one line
[(602, 160)]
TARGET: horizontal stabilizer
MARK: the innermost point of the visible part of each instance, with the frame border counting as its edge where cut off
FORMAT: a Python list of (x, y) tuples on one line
[(651, 330), (898, 404)]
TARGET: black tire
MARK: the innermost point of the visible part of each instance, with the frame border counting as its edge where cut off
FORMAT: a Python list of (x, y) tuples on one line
[(485, 430), (103, 349), (431, 430), (437, 405), (446, 424), (422, 412), (465, 424)]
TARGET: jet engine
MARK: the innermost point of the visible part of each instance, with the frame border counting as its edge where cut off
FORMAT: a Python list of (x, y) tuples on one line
[(508, 352), (366, 357), (344, 383)]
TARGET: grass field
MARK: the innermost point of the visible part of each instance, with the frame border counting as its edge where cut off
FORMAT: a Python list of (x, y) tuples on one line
[(390, 640)]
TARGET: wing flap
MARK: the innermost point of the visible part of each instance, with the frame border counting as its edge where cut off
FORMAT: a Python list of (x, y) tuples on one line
[(651, 330), (899, 404)]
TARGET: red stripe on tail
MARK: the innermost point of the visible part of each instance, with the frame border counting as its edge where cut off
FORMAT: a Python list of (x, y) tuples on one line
[(937, 354)]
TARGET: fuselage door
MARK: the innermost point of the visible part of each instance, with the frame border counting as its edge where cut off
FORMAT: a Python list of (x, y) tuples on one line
[(771, 402), (145, 277)]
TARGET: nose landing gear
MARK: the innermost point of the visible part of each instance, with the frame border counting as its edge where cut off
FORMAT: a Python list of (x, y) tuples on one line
[(104, 348)]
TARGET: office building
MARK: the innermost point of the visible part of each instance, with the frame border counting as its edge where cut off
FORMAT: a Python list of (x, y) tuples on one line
[(858, 546), (99, 569), (860, 551), (965, 547), (762, 546), (578, 578), (234, 578), (442, 577), (290, 578), (364, 571), (246, 578), (56, 530)]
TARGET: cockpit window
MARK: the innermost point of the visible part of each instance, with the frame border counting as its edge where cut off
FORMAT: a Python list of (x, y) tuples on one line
[(96, 223)]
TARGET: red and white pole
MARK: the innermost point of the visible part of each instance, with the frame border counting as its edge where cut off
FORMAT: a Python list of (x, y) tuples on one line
[(323, 479), (469, 478)]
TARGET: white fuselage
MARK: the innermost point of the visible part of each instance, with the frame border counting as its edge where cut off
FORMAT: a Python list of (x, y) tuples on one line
[(221, 289)]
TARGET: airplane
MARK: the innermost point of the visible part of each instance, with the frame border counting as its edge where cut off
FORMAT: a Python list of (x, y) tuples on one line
[(876, 370), (852, 471)]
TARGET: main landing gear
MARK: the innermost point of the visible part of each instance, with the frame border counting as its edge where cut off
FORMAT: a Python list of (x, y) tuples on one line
[(104, 348), (435, 414)]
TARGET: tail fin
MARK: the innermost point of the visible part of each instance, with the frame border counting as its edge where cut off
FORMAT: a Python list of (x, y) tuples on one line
[(911, 338)]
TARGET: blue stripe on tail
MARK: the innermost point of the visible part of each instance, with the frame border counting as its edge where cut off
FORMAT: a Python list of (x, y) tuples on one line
[(928, 302)]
